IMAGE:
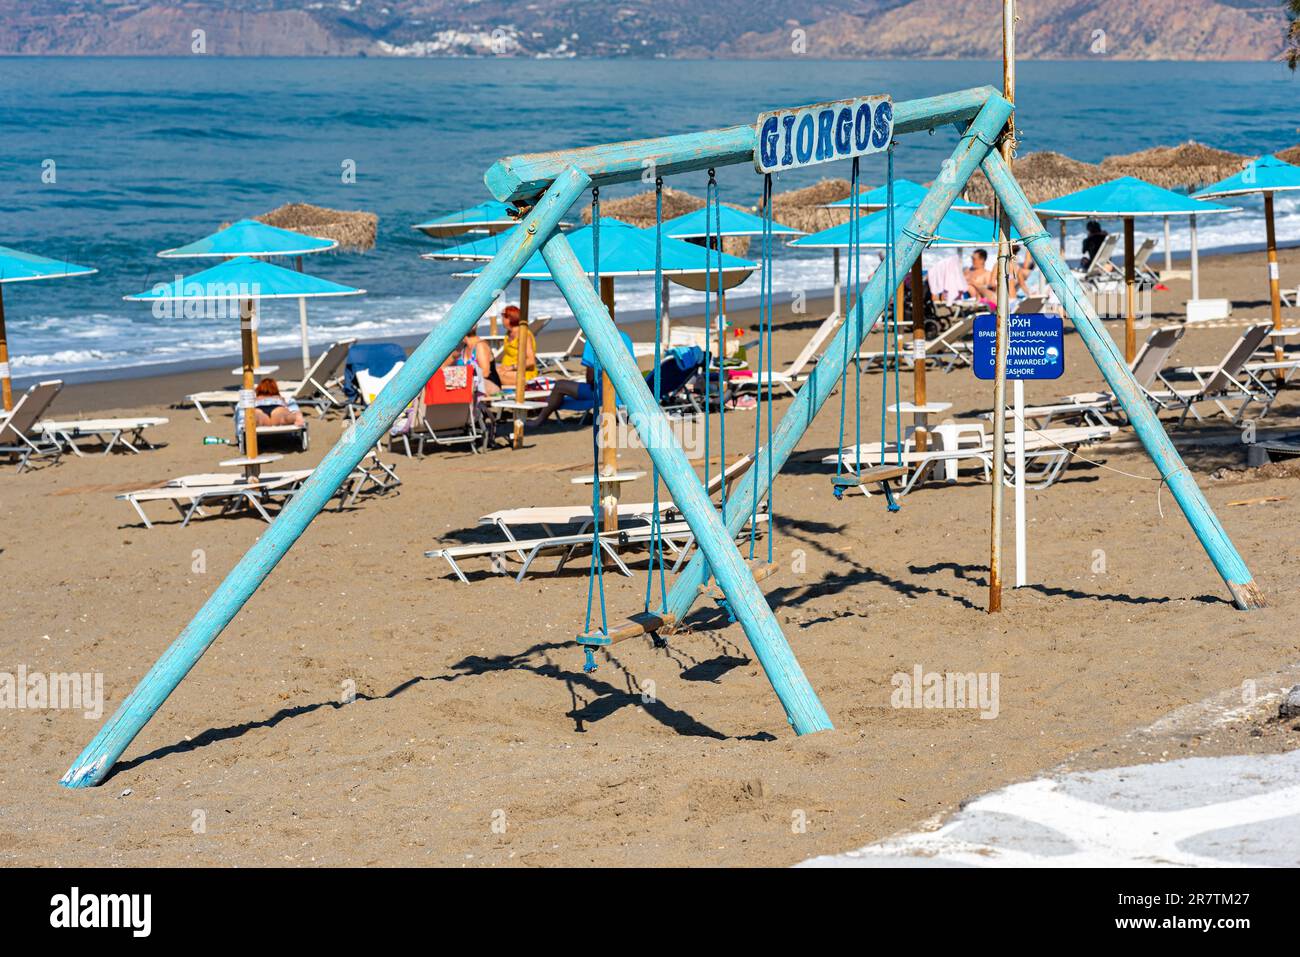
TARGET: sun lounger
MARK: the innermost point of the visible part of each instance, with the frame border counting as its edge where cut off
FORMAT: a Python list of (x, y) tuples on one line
[(1227, 382), (313, 389), (21, 437), (947, 350), (316, 388), (676, 537), (110, 433), (1146, 276), (1100, 271), (550, 518), (1095, 408), (447, 413), (191, 494), (1047, 453), (793, 373), (231, 491)]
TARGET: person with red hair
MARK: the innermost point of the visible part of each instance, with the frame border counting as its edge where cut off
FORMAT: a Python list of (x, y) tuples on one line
[(271, 408), (519, 343)]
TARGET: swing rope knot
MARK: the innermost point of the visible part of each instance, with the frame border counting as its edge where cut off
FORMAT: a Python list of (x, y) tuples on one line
[(925, 238)]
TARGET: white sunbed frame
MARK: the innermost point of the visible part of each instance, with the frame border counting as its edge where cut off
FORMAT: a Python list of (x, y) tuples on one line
[(111, 433)]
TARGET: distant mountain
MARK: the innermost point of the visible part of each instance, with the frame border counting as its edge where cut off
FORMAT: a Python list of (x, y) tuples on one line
[(1049, 29)]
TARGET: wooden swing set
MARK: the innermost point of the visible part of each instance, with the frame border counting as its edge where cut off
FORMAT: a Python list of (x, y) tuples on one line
[(548, 185)]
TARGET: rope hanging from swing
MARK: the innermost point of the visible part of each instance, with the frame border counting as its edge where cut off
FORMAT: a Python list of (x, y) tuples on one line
[(596, 577)]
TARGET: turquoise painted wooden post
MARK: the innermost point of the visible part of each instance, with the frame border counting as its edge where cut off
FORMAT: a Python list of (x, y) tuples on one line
[(1241, 584), (113, 738), (521, 177), (970, 151), (802, 707)]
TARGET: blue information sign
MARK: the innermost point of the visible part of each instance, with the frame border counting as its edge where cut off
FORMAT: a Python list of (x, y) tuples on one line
[(1035, 346)]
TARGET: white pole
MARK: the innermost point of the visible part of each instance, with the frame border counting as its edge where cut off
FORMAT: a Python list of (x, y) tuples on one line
[(302, 326), (1196, 272), (1018, 396), (1169, 253)]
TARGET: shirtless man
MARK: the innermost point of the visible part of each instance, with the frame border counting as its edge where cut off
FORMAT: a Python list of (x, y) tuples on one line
[(979, 278)]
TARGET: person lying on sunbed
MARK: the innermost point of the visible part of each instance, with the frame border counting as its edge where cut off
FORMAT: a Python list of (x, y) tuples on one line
[(578, 391), (271, 408)]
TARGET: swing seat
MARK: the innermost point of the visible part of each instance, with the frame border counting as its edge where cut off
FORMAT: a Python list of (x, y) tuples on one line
[(881, 473), (759, 569), (642, 623)]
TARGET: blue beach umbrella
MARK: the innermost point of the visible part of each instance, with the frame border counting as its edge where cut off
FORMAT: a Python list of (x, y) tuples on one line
[(489, 217), (626, 251), (476, 250), (957, 229), (1129, 198), (247, 281), (734, 222), (18, 266), (248, 237), (1267, 175), (906, 193)]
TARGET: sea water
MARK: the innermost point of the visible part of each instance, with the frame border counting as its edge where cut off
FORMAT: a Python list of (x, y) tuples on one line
[(107, 161)]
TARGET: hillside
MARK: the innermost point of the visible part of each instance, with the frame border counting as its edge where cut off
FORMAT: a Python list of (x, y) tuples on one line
[(1051, 29)]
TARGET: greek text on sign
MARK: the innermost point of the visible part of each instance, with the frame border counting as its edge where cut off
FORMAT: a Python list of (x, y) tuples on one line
[(823, 132), (1035, 346)]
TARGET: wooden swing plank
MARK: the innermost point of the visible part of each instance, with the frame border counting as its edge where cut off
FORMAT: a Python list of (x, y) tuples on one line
[(881, 473), (760, 569), (642, 623)]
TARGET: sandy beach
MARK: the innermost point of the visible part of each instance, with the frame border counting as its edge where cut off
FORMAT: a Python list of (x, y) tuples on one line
[(476, 739)]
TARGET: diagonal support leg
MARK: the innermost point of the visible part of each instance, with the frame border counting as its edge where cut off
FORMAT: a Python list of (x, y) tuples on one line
[(1215, 541), (802, 707), (975, 143), (168, 671)]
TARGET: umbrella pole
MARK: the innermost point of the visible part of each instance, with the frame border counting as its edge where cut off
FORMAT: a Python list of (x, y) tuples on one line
[(6, 386), (521, 372), (1007, 149), (1169, 253), (302, 325), (1274, 284), (257, 360), (667, 332), (248, 342), (922, 435), (1130, 292), (606, 431), (1062, 237), (835, 272), (1196, 261)]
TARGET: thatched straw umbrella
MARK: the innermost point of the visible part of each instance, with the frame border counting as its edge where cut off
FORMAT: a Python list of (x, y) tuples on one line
[(1290, 155), (1043, 176), (805, 209), (353, 229), (639, 211), (1189, 165)]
